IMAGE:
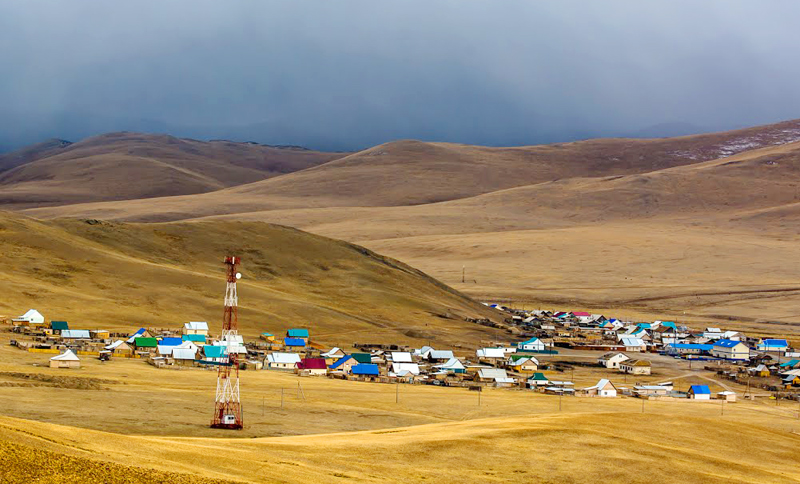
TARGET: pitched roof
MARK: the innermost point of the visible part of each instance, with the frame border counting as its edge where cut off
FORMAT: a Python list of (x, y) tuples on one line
[(66, 356), (632, 342), (365, 369), (726, 343), (401, 357), (362, 357), (59, 325), (312, 364), (184, 353), (490, 353), (332, 352), (142, 342), (451, 364), (636, 363), (213, 351), (196, 325), (700, 390), (412, 368), (297, 333), (538, 377), (170, 341), (600, 384), (135, 335), (774, 342), (440, 354), (341, 361), (283, 358), (493, 373), (197, 338), (75, 333), (294, 342), (581, 313)]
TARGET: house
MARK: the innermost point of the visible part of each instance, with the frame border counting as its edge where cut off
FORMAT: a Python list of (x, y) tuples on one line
[(215, 354), (581, 314), (537, 380), (344, 364), (727, 396), (334, 352), (268, 337), (58, 326), (31, 318), (498, 376), (120, 347), (312, 366), (75, 334), (685, 349), (634, 344), (699, 392), (791, 380), (635, 367), (650, 390), (184, 355), (170, 341), (523, 364), (194, 338), (140, 333), (401, 369), (453, 365), (603, 388), (730, 350), (100, 334), (490, 354), (772, 345), (67, 359), (298, 333), (364, 358), (533, 344), (439, 355), (760, 370), (196, 327), (365, 369), (294, 342), (613, 359), (283, 361)]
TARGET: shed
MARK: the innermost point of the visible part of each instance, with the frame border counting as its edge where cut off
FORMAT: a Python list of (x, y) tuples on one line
[(297, 333), (75, 334), (699, 392)]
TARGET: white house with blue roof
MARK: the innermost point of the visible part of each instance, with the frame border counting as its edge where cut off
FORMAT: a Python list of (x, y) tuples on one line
[(730, 350), (773, 345)]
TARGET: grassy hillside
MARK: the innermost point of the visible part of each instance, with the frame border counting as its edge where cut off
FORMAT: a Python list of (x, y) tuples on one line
[(121, 166), (121, 276)]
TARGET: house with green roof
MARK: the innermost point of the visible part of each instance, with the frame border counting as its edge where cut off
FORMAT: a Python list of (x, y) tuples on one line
[(364, 358), (145, 343)]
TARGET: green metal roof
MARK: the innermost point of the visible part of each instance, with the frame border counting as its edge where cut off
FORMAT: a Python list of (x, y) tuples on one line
[(59, 325), (362, 357), (141, 342), (538, 377)]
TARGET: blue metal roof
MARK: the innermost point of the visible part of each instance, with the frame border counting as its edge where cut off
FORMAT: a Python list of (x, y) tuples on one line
[(297, 333), (294, 342), (700, 390), (669, 324), (366, 369), (339, 362), (775, 342), (170, 341), (726, 343)]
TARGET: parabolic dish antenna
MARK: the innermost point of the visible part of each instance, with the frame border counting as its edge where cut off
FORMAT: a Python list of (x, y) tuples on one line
[(238, 275)]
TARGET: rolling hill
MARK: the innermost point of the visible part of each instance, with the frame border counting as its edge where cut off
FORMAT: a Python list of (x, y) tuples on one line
[(119, 166), (608, 224), (121, 276)]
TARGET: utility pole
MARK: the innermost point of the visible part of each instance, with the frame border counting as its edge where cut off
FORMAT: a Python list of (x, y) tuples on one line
[(281, 397), (643, 405), (397, 392), (463, 274)]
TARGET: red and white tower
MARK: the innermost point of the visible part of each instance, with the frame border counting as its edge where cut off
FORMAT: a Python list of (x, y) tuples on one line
[(228, 407)]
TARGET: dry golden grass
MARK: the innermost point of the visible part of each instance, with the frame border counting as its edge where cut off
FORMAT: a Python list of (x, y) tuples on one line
[(156, 421), (121, 276)]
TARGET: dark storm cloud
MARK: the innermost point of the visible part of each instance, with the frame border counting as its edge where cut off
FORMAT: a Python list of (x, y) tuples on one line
[(341, 74)]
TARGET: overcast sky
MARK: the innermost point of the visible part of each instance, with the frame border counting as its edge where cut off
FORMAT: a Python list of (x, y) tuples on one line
[(343, 74)]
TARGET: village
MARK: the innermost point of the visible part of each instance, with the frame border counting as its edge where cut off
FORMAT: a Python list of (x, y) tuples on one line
[(619, 353)]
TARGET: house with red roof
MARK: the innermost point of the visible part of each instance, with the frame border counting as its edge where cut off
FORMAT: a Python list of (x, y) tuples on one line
[(312, 366)]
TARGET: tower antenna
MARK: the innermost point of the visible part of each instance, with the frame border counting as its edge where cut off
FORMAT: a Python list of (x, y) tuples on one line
[(227, 405)]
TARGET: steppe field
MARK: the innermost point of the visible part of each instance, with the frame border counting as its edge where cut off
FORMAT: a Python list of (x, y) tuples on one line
[(126, 421), (399, 243)]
